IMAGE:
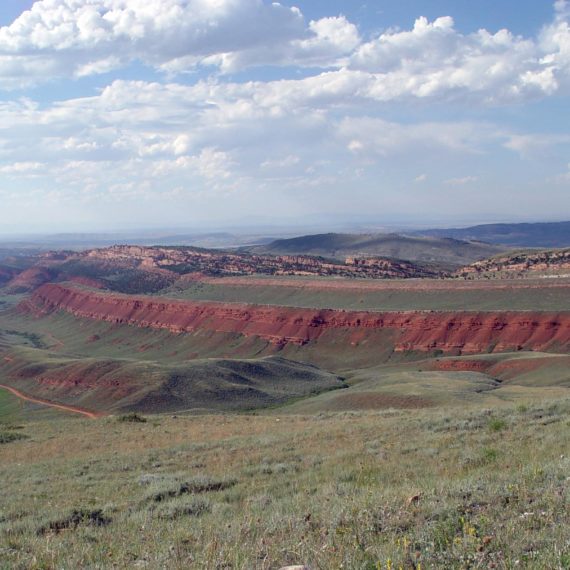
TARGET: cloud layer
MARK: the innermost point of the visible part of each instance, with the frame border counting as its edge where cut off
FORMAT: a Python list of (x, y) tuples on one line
[(201, 128), (87, 37), (77, 38)]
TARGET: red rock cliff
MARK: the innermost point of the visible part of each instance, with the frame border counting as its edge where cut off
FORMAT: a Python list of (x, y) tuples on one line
[(467, 332)]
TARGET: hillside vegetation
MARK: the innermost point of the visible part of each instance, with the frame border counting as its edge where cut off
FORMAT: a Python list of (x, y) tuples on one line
[(105, 367), (394, 295), (105, 384), (421, 249)]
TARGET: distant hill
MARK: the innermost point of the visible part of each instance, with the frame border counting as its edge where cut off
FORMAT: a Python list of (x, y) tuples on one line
[(139, 269), (412, 248), (548, 234)]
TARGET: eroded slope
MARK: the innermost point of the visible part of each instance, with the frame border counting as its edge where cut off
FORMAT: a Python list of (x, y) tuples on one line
[(411, 331)]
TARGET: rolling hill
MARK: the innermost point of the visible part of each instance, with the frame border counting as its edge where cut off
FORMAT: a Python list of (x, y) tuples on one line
[(104, 384), (413, 248)]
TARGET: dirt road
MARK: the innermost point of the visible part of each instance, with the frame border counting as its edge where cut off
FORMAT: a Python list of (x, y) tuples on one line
[(72, 409)]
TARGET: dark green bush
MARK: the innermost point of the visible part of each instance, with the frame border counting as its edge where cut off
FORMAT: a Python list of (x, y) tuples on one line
[(9, 436), (133, 418)]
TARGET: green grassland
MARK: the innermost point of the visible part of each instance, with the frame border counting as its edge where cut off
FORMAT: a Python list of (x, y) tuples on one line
[(14, 411), (428, 488), (417, 385), (8, 301), (104, 367), (523, 299), (415, 463), (64, 334), (10, 407), (111, 385), (111, 368)]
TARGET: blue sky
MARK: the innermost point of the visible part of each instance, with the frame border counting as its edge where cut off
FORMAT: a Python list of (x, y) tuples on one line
[(193, 113)]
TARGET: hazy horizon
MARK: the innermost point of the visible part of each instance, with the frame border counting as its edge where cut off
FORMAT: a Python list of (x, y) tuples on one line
[(248, 226)]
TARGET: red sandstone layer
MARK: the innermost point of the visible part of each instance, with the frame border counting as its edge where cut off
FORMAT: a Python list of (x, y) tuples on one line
[(500, 369), (425, 331)]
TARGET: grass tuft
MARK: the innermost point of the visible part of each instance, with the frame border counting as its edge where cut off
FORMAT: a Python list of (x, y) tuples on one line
[(185, 507), (497, 424)]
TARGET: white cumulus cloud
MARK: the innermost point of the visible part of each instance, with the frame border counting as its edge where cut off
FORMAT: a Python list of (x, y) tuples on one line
[(433, 59), (57, 38)]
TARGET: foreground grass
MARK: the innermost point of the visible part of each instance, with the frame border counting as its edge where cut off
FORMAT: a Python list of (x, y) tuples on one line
[(393, 489), (10, 407)]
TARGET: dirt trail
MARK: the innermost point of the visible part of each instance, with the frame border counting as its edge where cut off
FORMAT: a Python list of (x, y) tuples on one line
[(72, 409)]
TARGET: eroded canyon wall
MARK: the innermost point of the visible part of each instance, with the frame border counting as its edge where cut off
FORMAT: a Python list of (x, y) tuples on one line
[(420, 331)]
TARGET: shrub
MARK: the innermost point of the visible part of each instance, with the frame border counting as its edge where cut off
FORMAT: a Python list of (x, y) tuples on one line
[(497, 424), (9, 436), (490, 455), (133, 417), (79, 517)]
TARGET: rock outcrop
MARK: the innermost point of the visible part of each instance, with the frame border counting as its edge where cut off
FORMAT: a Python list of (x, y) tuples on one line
[(421, 331), (552, 262)]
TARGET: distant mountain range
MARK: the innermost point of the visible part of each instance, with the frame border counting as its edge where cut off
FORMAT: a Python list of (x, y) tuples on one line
[(92, 240), (413, 248), (548, 234)]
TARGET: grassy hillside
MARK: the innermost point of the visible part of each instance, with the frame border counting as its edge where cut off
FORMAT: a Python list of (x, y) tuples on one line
[(107, 385), (422, 249), (105, 367), (14, 412), (399, 297), (8, 300), (470, 381), (417, 462), (453, 489), (111, 367), (549, 234), (63, 334), (10, 407)]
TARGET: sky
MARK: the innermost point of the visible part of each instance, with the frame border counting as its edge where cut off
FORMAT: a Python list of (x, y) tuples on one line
[(121, 114)]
